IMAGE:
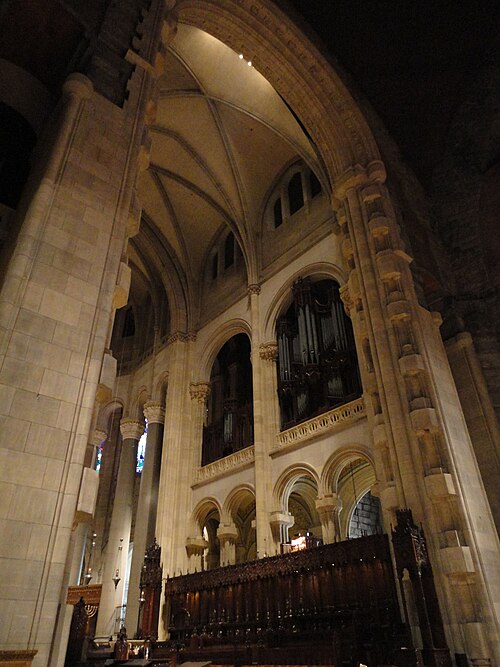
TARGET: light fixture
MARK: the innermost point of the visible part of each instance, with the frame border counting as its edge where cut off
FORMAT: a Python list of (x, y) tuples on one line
[(249, 63), (116, 579), (240, 56)]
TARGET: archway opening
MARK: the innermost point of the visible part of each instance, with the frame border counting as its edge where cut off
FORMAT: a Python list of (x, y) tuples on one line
[(229, 426)]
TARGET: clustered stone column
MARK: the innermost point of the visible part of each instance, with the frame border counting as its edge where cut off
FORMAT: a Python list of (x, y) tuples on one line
[(228, 536), (329, 507), (423, 450), (119, 531), (145, 520), (281, 522), (261, 431)]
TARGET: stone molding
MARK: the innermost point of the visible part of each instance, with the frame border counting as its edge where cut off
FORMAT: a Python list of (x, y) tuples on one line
[(268, 351), (131, 429), (154, 412), (181, 337), (229, 464), (312, 428), (199, 391)]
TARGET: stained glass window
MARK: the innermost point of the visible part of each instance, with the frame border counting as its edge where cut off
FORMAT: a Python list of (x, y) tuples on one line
[(99, 458), (141, 450)]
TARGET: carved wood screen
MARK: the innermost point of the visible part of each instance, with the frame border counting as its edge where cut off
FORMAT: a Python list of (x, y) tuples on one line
[(330, 604)]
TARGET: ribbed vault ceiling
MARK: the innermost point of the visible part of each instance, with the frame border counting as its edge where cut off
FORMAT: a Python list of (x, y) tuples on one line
[(221, 138)]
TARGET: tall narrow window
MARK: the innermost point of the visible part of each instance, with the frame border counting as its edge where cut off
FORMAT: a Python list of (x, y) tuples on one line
[(129, 324), (314, 184), (141, 450), (278, 213), (229, 251), (295, 193)]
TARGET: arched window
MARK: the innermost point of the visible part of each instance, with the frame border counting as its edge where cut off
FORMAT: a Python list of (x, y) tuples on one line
[(295, 193), (229, 250), (230, 410), (141, 450), (317, 362), (277, 213)]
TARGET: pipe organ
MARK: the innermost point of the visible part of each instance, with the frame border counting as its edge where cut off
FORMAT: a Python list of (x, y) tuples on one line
[(317, 362)]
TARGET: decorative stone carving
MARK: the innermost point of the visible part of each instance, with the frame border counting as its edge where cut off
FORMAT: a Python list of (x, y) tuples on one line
[(97, 437), (131, 429), (253, 289), (268, 351), (311, 428), (240, 459), (182, 337), (154, 412), (199, 391)]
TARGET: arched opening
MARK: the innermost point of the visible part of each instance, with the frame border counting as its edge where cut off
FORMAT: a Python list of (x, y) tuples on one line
[(211, 557), (244, 520), (317, 360), (302, 506), (229, 425)]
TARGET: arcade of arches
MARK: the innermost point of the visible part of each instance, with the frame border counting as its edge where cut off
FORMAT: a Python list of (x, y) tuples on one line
[(221, 308)]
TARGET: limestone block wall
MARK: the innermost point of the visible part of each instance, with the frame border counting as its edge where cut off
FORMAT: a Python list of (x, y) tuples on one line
[(60, 272)]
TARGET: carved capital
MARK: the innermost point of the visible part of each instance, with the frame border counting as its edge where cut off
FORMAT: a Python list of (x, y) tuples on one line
[(268, 351), (195, 546), (131, 429), (328, 504), (97, 437), (199, 391), (227, 533), (253, 289), (154, 412)]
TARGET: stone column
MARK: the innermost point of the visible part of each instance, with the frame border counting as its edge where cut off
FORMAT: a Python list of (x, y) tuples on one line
[(199, 392), (479, 414), (228, 536), (119, 532), (419, 428), (177, 467), (281, 522), (262, 429), (74, 558), (329, 508), (195, 549), (145, 520)]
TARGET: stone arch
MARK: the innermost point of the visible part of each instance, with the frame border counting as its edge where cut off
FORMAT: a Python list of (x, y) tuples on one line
[(348, 475), (136, 410), (202, 510), (161, 386), (233, 500), (298, 71), (283, 296), (106, 412), (239, 515), (217, 340), (337, 461), (287, 479)]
